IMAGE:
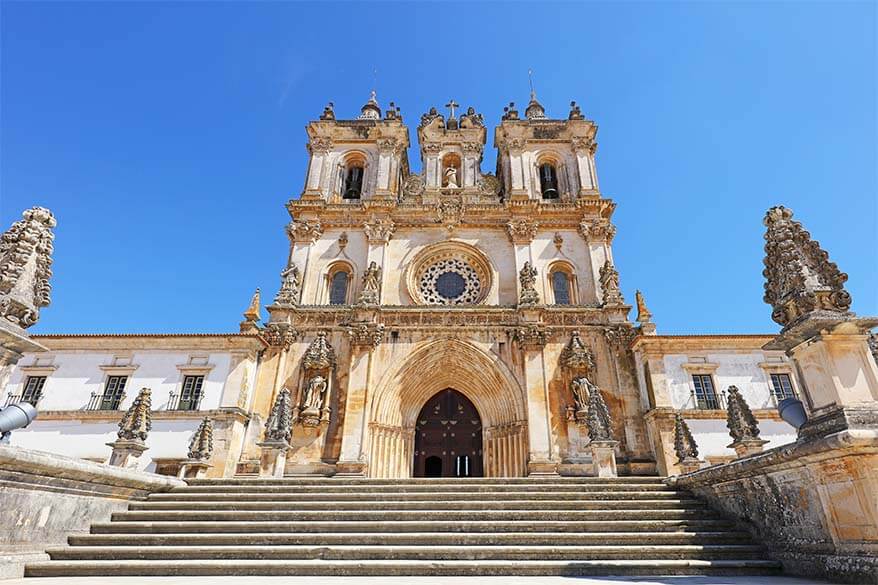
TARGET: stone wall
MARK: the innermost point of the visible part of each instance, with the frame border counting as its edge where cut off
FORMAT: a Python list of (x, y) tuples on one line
[(46, 497), (814, 504)]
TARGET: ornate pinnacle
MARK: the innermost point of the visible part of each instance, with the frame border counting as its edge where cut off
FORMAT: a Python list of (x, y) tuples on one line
[(739, 418), (684, 443), (252, 313), (201, 444), (25, 267), (278, 427), (137, 420), (576, 356), (600, 425), (643, 314), (799, 278), (319, 355)]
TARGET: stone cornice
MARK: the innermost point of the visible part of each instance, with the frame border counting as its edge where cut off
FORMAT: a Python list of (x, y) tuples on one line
[(156, 341), (664, 344)]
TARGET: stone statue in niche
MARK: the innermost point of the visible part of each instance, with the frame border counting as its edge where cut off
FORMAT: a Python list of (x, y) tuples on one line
[(581, 387), (451, 178), (528, 279), (371, 285), (315, 395)]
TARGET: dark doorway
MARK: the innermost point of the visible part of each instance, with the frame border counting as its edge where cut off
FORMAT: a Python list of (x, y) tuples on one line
[(448, 437)]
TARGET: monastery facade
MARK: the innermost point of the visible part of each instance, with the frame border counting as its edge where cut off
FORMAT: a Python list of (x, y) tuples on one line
[(449, 323)]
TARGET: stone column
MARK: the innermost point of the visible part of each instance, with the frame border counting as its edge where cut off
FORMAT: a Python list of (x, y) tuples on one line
[(531, 339), (598, 233), (584, 149), (318, 177), (365, 336), (303, 234), (378, 233)]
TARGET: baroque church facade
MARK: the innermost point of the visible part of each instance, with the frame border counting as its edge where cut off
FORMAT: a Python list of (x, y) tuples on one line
[(452, 322)]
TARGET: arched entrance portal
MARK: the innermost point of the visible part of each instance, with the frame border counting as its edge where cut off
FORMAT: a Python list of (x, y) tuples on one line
[(448, 437)]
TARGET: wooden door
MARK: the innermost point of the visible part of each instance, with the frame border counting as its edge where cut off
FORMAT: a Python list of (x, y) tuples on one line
[(448, 437)]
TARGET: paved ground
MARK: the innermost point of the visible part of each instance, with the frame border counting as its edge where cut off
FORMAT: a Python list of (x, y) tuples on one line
[(412, 581)]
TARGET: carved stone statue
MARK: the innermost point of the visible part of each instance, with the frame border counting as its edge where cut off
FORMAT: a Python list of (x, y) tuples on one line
[(643, 314), (371, 285), (25, 267), (527, 277), (315, 394), (609, 277), (290, 286), (451, 178), (581, 389)]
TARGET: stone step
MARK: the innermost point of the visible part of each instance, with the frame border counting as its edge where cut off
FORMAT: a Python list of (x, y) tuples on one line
[(384, 567), (416, 538), (331, 505), (336, 481), (166, 527), (294, 496), (424, 552), (416, 488), (403, 515)]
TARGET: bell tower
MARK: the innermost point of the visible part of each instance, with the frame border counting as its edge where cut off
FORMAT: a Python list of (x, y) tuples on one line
[(545, 159), (360, 159)]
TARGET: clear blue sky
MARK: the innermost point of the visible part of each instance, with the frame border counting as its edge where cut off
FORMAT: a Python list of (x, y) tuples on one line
[(166, 137)]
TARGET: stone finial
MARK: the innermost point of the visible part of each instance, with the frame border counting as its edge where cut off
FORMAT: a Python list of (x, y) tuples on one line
[(527, 276), (575, 112), (643, 314), (509, 112), (319, 355), (370, 295), (576, 356), (328, 112), (278, 427), (252, 313), (137, 420), (26, 267), (684, 442), (739, 418), (290, 286), (534, 110), (609, 278), (201, 443), (600, 425), (800, 281)]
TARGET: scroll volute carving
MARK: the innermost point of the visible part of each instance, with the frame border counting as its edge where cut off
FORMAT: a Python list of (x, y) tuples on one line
[(312, 408)]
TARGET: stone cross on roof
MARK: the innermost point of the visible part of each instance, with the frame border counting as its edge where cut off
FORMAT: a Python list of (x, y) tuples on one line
[(452, 104)]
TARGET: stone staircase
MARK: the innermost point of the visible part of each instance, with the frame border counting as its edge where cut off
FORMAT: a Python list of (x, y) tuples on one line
[(317, 526)]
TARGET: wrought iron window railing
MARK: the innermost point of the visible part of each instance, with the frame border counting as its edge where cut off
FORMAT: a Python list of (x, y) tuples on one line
[(103, 401)]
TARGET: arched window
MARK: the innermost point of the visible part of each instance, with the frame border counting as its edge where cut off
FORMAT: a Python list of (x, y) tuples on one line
[(561, 287), (353, 181), (548, 181), (338, 287)]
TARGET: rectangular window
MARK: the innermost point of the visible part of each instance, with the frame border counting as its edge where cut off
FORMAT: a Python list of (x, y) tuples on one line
[(33, 389), (782, 386), (705, 395), (190, 396), (114, 392)]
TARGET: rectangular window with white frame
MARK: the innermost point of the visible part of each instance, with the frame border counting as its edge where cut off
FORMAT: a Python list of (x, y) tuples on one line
[(190, 393), (782, 386), (704, 392), (114, 393), (33, 389)]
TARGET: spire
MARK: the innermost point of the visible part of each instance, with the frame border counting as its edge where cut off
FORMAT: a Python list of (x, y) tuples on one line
[(201, 444), (643, 314), (371, 110), (535, 110), (137, 420), (252, 315), (278, 426), (684, 442), (800, 281), (600, 425), (739, 418)]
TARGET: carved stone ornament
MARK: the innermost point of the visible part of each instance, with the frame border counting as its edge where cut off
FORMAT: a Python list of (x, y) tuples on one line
[(414, 186), (252, 314), (521, 230), (290, 286), (471, 119), (427, 118), (527, 277), (684, 443), (366, 335), (472, 148), (581, 388), (489, 185), (432, 148), (388, 145), (379, 230), (449, 211), (281, 335), (319, 355), (304, 231), (575, 112), (609, 277), (137, 420), (328, 112), (530, 335), (558, 240), (643, 314), (314, 406), (320, 144), (342, 240), (600, 425), (739, 418), (799, 278), (620, 336), (576, 356), (597, 230), (26, 267), (278, 426), (583, 143), (371, 293), (201, 444), (509, 112)]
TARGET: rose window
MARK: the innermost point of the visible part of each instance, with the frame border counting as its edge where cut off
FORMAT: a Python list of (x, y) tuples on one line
[(449, 281)]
